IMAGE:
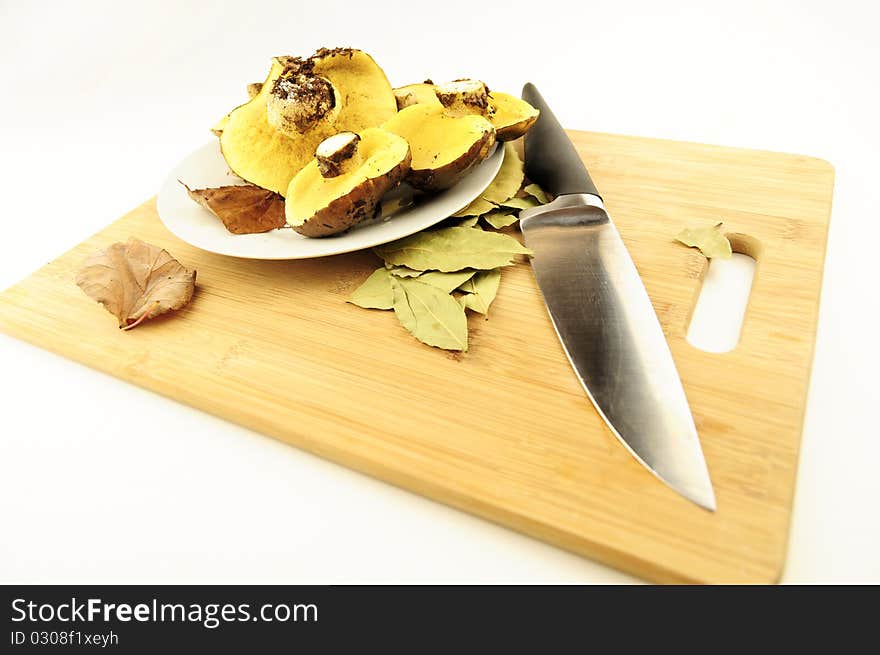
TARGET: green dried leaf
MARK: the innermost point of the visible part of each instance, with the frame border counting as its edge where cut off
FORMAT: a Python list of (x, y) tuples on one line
[(509, 178), (710, 240), (480, 290), (432, 316), (537, 193), (452, 249), (401, 271), (477, 207), (446, 281), (375, 292), (500, 218), (505, 184), (471, 221), (520, 203)]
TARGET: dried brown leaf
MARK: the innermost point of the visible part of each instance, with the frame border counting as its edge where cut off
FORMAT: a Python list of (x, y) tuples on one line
[(244, 209), (136, 281)]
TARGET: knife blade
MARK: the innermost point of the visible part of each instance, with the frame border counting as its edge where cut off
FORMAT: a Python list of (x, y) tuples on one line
[(603, 316)]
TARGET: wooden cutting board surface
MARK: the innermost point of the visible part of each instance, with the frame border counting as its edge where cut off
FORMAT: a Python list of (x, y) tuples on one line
[(504, 430)]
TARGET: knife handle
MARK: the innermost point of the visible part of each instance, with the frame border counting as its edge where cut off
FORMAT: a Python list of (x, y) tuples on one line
[(547, 144)]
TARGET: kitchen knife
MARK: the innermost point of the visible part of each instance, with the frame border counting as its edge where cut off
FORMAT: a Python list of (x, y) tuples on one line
[(603, 315)]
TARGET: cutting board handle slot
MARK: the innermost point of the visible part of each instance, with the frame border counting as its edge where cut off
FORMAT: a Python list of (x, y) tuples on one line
[(720, 310)]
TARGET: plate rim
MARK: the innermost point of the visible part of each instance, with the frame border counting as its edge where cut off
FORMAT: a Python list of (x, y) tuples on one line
[(172, 181)]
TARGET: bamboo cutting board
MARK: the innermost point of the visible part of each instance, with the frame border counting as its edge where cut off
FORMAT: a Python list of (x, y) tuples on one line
[(504, 430)]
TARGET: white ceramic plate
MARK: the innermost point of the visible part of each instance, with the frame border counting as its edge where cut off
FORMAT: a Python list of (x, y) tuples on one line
[(206, 167)]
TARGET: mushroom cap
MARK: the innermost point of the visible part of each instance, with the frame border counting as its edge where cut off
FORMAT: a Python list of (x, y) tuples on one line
[(317, 206), (260, 154), (511, 116), (444, 147)]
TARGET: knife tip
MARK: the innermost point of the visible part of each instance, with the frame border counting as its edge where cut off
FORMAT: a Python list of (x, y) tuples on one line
[(708, 503), (693, 483), (704, 496)]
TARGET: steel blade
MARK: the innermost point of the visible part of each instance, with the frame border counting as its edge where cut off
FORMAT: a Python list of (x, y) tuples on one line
[(612, 337)]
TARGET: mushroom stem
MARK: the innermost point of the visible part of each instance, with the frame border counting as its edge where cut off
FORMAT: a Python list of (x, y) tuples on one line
[(338, 154), (464, 97), (405, 98), (298, 101)]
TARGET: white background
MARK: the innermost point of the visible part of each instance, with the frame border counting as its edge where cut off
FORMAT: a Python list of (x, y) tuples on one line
[(104, 482)]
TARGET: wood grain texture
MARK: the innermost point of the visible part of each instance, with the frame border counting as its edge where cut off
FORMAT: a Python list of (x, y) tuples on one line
[(505, 431)]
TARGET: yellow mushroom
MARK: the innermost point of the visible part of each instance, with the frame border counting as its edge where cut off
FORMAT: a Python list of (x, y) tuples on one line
[(343, 184)]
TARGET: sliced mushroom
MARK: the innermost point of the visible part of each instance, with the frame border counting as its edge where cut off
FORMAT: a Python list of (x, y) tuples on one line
[(445, 146), (512, 117), (332, 91), (327, 199)]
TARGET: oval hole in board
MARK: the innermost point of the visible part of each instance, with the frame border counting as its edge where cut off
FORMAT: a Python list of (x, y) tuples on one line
[(717, 319)]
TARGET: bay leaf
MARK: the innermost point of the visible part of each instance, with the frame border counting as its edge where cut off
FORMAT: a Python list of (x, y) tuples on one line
[(509, 178), (710, 240), (375, 292), (431, 315), (470, 221), (481, 290), (402, 271), (446, 281), (478, 207), (244, 209), (452, 249), (520, 203), (537, 193), (136, 281), (500, 218), (503, 186)]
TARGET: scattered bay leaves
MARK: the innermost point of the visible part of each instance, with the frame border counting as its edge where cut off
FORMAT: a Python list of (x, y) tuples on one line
[(375, 292), (520, 203), (504, 185), (136, 281), (710, 240), (452, 249), (470, 221), (481, 290), (447, 281), (431, 315), (477, 207), (537, 193), (401, 271), (509, 178), (244, 209), (500, 218)]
